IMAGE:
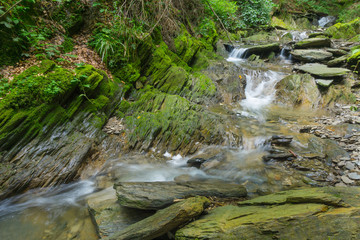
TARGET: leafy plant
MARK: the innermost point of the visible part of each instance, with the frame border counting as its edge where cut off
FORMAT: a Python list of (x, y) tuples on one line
[(255, 12), (227, 11)]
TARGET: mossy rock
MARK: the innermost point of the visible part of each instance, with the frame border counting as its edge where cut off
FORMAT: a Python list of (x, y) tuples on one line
[(50, 135), (278, 23), (186, 46), (345, 30), (355, 56), (306, 214)]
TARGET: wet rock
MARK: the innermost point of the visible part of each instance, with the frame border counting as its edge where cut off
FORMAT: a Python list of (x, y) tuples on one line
[(279, 157), (354, 176), (321, 70), (313, 43), (164, 220), (262, 50), (324, 82), (195, 162), (268, 217), (298, 90), (311, 55), (281, 140), (157, 195), (108, 216)]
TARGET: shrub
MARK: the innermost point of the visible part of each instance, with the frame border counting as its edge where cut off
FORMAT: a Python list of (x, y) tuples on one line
[(227, 11), (255, 12)]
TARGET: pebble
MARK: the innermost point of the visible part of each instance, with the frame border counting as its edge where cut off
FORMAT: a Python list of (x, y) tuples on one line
[(346, 180), (354, 176), (341, 164), (350, 165)]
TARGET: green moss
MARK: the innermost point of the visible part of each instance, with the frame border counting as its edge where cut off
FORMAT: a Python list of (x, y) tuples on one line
[(100, 102), (355, 55), (128, 74), (345, 30), (202, 86), (67, 45), (46, 95), (186, 46)]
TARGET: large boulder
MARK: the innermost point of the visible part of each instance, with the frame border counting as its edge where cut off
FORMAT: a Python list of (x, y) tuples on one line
[(322, 70), (262, 50), (311, 55), (49, 123), (157, 195), (313, 43), (301, 214), (345, 30), (164, 220), (298, 90)]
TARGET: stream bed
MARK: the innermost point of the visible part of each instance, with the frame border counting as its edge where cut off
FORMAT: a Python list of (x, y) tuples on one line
[(61, 212)]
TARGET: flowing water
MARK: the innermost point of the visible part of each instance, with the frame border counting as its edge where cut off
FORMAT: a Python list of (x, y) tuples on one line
[(61, 212)]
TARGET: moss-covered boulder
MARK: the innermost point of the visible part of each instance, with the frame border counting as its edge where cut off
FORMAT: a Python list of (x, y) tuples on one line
[(169, 109), (354, 58), (49, 121), (313, 43), (298, 90), (345, 30), (311, 55), (300, 214), (279, 24)]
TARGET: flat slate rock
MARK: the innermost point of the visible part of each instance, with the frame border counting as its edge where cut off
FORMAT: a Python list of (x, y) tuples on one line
[(313, 43), (164, 220), (312, 213), (108, 216), (337, 52), (337, 62), (311, 55), (322, 70), (324, 82), (158, 195)]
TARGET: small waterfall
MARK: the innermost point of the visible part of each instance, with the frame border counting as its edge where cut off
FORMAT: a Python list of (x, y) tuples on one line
[(260, 92), (283, 54), (326, 20), (237, 53), (298, 36)]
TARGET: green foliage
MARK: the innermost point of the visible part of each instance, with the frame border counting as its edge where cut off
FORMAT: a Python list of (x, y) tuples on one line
[(227, 11), (349, 13), (116, 40), (255, 12), (345, 10)]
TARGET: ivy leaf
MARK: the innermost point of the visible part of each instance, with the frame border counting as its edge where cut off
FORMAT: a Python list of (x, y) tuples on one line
[(7, 24)]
